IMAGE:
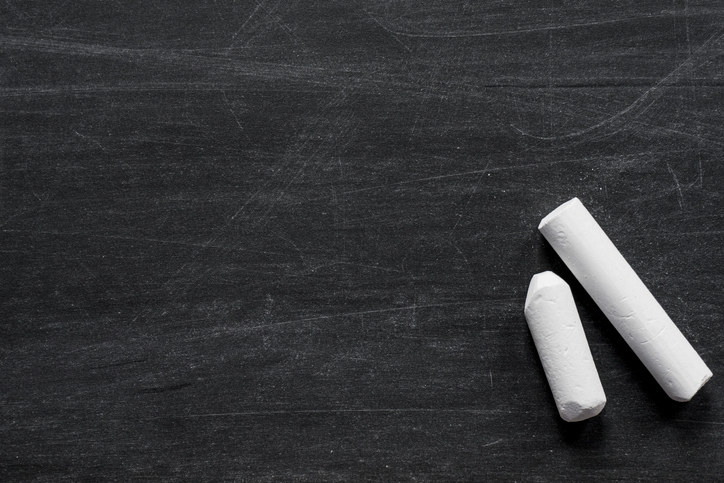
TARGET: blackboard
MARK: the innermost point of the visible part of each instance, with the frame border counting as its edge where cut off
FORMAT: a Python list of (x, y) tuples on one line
[(284, 240)]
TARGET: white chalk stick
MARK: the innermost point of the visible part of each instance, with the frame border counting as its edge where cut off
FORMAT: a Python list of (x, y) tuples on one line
[(561, 343), (623, 297)]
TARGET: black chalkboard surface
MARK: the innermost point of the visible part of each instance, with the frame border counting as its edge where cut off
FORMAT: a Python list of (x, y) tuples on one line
[(284, 240)]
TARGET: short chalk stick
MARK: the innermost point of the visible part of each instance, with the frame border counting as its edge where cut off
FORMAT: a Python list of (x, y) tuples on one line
[(561, 343)]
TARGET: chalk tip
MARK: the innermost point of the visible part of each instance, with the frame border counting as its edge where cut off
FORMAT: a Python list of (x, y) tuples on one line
[(575, 411), (686, 396), (555, 213), (541, 281)]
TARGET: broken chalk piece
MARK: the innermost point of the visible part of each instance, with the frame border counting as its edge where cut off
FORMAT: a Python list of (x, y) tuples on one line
[(623, 297), (561, 343)]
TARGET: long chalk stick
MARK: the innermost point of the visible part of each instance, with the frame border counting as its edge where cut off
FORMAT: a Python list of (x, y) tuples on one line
[(623, 297)]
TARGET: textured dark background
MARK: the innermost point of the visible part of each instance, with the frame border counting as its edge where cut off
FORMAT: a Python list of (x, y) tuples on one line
[(292, 240)]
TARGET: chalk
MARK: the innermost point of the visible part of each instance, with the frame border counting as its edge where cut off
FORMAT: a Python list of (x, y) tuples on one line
[(562, 347), (623, 297)]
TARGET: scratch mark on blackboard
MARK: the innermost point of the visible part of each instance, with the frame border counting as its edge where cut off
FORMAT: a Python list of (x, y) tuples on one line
[(546, 28), (461, 174), (491, 444), (245, 22), (392, 34), (699, 137), (465, 259), (475, 191), (363, 312), (296, 248), (137, 239), (334, 411), (12, 217), (89, 139), (426, 94), (686, 26), (299, 157), (644, 101), (278, 21), (231, 110), (678, 186), (309, 271)]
